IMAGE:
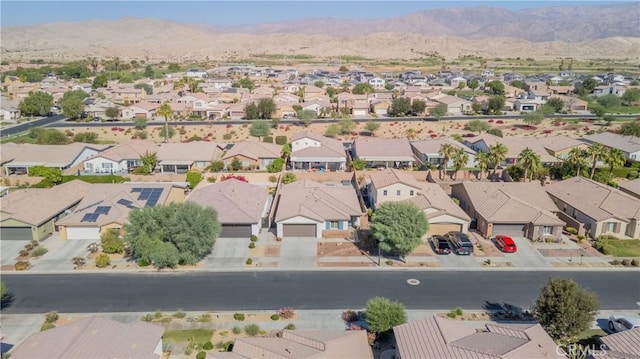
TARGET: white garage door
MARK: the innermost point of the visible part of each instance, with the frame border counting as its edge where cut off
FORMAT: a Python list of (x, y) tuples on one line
[(516, 230), (83, 233)]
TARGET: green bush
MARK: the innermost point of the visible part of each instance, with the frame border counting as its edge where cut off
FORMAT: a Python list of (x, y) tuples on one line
[(39, 252), (458, 311), (275, 317), (147, 318), (252, 330), (267, 139), (626, 262), (21, 265), (205, 318), (632, 175), (238, 316), (194, 177), (52, 317), (112, 242), (290, 326), (635, 262), (359, 164), (180, 314), (207, 346), (201, 355), (224, 333), (275, 166), (281, 140), (252, 245), (289, 177), (571, 230), (47, 326), (451, 314), (143, 263), (249, 261), (236, 330), (227, 136), (254, 238), (102, 260)]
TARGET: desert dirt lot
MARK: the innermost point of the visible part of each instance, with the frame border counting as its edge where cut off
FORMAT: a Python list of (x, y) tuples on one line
[(421, 130)]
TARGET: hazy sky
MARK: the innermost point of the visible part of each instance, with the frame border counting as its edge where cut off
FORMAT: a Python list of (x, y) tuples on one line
[(235, 12)]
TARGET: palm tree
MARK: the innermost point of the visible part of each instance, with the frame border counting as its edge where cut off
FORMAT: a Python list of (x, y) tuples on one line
[(614, 158), (482, 160), (530, 161), (596, 152), (497, 154), (460, 159), (94, 63), (166, 111), (446, 151), (577, 157)]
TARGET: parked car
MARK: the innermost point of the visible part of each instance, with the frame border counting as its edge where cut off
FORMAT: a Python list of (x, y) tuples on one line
[(460, 243), (440, 245), (620, 324), (505, 243)]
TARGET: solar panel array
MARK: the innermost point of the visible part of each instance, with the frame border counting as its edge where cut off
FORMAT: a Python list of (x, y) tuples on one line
[(125, 202), (151, 195), (90, 217), (102, 210)]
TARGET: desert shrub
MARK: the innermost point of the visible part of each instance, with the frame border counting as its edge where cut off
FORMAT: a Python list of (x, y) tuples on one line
[(249, 261), (143, 263), (142, 135), (252, 245), (227, 136), (47, 326), (201, 355), (252, 330), (290, 326), (571, 230), (267, 139), (273, 179), (51, 317), (206, 317), (224, 333), (286, 312), (254, 238), (458, 311), (236, 330), (626, 262), (147, 317), (207, 346), (78, 261), (275, 317), (34, 243), (281, 140), (238, 316), (349, 316), (158, 315), (616, 262), (194, 177), (166, 320), (24, 253), (38, 252), (635, 262), (102, 260), (112, 242), (21, 265), (451, 314), (180, 314)]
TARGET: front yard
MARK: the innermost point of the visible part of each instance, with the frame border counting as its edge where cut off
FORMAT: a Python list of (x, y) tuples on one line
[(619, 247)]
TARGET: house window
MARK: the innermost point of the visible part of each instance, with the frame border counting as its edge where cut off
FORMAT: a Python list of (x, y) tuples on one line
[(411, 193), (611, 227), (398, 193), (547, 230), (384, 193), (107, 165), (334, 224)]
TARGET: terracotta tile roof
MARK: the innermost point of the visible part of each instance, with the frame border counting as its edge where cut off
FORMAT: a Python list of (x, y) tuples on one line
[(595, 199), (381, 179), (632, 186), (236, 201), (329, 147), (317, 202), (622, 345), (19, 205), (132, 150), (254, 150), (435, 338), (383, 149), (435, 201), (93, 337), (171, 153), (627, 144), (147, 106)]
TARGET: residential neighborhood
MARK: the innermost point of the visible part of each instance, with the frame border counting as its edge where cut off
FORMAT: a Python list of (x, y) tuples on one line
[(418, 200)]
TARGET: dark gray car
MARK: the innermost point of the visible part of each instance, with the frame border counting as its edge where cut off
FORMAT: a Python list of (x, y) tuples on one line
[(460, 243)]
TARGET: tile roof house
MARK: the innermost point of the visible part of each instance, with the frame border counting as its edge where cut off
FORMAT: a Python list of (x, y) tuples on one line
[(510, 208), (313, 151), (560, 146), (391, 185), (32, 213), (252, 154), (141, 109), (631, 187), (629, 145), (53, 156), (514, 147), (242, 207), (302, 344), (427, 151), (622, 345), (121, 158), (384, 152), (305, 208), (182, 157), (106, 206), (94, 337), (436, 338), (601, 208)]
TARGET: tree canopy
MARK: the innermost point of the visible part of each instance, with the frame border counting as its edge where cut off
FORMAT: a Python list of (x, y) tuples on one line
[(438, 111), (565, 309), (177, 233), (362, 88), (478, 126), (400, 106), (382, 314), (346, 125), (99, 81), (266, 108), (38, 103), (72, 103), (631, 95), (631, 128), (495, 87), (399, 226), (259, 128), (418, 106), (372, 127), (244, 82), (533, 118)]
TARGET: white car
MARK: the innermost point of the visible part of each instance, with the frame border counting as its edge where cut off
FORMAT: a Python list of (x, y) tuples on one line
[(620, 324)]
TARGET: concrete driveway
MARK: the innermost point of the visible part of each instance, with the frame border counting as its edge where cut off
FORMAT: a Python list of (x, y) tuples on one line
[(61, 253), (9, 250), (228, 253), (298, 253), (455, 261), (527, 256)]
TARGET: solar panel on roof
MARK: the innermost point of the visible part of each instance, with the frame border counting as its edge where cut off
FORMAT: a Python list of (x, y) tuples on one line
[(102, 210), (90, 217), (151, 202), (125, 202)]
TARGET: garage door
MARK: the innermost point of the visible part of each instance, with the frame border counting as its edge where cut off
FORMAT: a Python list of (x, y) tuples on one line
[(443, 228), (83, 233), (236, 231), (299, 230), (15, 233), (508, 229)]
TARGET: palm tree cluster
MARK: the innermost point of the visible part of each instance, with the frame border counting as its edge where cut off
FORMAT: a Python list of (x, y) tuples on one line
[(578, 158), (458, 156)]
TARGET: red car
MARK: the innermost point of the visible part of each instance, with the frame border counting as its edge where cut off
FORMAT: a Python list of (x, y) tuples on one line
[(505, 244)]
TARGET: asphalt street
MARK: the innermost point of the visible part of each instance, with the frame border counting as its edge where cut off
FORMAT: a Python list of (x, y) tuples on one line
[(26, 126), (229, 291)]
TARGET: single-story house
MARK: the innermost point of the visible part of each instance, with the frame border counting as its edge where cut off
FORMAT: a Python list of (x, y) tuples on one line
[(621, 345), (514, 146), (427, 151), (384, 152), (442, 213), (510, 208), (601, 208), (181, 157), (312, 151), (455, 105), (106, 206), (32, 213), (302, 344), (560, 146), (242, 207), (631, 187), (437, 337), (53, 156), (94, 337), (255, 155), (629, 145), (306, 208), (121, 158), (145, 110)]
